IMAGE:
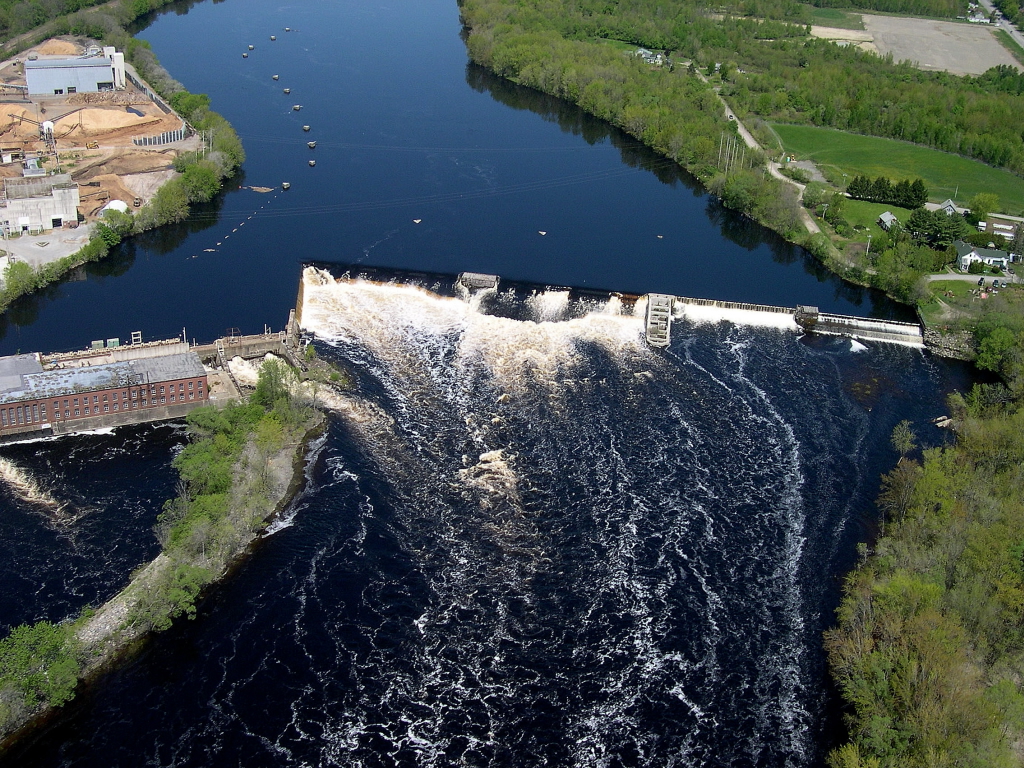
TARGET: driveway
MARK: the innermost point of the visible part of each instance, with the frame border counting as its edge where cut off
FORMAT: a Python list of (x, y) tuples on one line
[(971, 278)]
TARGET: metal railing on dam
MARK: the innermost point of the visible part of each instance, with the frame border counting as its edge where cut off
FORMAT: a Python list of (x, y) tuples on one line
[(810, 319)]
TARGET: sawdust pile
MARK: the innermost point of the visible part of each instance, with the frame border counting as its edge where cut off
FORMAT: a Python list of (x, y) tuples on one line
[(58, 47), (98, 120)]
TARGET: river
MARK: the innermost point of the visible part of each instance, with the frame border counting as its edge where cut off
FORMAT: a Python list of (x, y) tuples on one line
[(527, 538)]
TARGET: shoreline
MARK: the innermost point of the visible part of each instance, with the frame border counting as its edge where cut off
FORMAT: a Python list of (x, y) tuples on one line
[(810, 237), (104, 636)]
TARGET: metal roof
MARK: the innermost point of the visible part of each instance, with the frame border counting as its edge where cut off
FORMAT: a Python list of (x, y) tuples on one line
[(169, 367), (13, 367), (20, 380), (92, 61)]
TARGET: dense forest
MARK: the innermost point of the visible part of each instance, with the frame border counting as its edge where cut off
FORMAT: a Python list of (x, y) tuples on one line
[(772, 69), (929, 651)]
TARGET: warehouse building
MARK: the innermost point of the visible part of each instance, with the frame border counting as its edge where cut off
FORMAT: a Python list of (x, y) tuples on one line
[(34, 398), (34, 203), (99, 71)]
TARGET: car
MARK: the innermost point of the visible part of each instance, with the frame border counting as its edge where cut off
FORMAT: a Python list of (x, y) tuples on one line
[(981, 281)]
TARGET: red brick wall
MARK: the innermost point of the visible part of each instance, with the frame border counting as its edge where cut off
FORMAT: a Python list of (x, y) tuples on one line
[(18, 416)]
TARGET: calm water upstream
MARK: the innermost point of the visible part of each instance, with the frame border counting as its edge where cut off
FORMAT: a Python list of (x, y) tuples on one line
[(526, 538)]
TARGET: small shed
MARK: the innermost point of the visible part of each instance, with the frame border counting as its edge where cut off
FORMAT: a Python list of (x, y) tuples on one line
[(887, 221)]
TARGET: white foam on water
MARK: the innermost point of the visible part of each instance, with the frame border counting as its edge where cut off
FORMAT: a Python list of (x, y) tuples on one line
[(457, 381), (26, 488), (711, 314), (51, 438), (404, 325)]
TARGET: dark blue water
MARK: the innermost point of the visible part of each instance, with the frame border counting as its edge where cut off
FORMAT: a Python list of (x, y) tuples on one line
[(535, 541), (527, 538), (73, 536), (406, 129)]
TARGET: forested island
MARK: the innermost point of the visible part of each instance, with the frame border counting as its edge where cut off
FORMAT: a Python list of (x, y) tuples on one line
[(241, 467)]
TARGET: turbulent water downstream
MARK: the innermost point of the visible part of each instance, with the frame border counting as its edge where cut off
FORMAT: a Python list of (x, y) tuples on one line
[(529, 539)]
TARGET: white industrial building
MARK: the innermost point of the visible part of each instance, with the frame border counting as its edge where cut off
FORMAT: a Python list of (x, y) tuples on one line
[(32, 204), (99, 71)]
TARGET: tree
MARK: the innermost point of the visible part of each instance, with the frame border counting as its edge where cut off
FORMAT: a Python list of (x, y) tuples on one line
[(919, 194), (982, 204), (881, 190), (860, 187), (903, 195), (903, 438), (921, 224), (1017, 246), (997, 349), (200, 182), (948, 228)]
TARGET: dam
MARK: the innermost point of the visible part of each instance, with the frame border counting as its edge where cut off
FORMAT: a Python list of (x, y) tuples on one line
[(658, 310)]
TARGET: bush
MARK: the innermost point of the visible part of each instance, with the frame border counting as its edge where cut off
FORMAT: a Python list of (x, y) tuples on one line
[(796, 174)]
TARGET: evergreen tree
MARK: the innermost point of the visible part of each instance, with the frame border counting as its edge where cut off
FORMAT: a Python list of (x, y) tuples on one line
[(903, 194), (881, 190), (859, 188), (948, 228), (921, 224), (919, 194)]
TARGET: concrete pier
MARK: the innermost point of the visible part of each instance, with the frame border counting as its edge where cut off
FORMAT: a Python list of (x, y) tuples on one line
[(658, 320)]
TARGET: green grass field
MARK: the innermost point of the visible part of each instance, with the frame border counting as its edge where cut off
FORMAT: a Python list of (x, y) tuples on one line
[(944, 174), (865, 214), (833, 17)]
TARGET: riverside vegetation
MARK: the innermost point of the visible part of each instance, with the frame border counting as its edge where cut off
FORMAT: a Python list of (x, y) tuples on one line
[(234, 474), (760, 57), (201, 174), (929, 648)]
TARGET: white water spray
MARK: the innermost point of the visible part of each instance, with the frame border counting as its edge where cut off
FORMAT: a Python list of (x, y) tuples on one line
[(26, 488)]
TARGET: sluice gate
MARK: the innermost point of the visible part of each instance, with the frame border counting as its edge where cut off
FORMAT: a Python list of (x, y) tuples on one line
[(658, 324), (813, 321)]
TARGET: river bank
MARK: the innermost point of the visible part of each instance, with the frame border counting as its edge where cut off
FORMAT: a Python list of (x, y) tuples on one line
[(42, 666), (208, 155), (700, 133)]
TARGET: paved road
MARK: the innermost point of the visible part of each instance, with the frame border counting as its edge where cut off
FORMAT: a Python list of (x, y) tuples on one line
[(971, 278), (1003, 24)]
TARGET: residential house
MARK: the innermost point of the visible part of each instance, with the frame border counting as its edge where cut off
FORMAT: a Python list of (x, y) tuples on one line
[(967, 254)]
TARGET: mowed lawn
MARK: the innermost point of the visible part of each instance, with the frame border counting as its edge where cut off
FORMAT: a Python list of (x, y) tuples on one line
[(944, 174), (861, 213)]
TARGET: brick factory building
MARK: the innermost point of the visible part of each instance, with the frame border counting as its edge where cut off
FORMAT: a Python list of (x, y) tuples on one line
[(150, 387)]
